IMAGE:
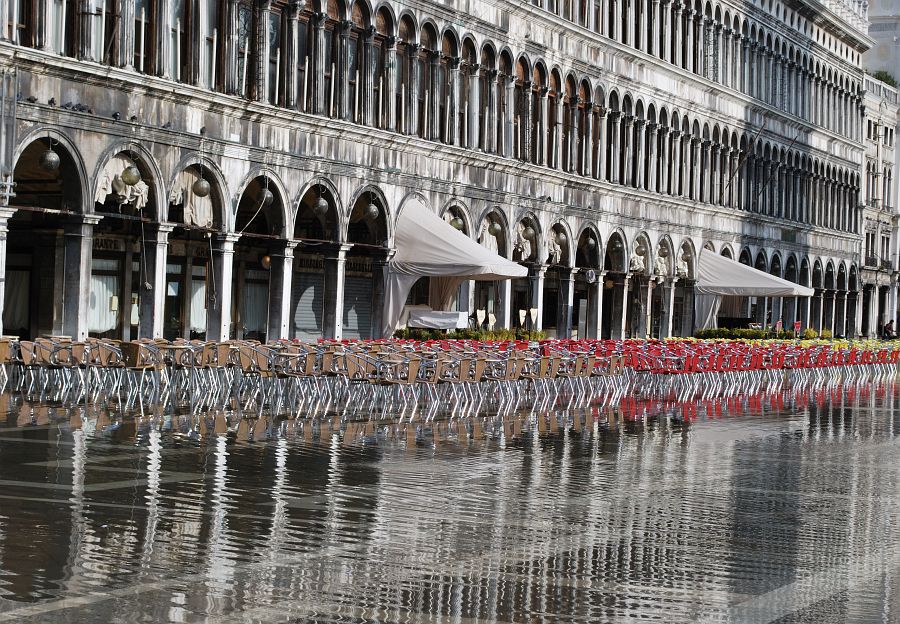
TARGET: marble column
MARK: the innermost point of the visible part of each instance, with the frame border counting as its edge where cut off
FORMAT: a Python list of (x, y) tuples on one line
[(627, 151), (473, 104), (153, 300), (615, 156), (639, 154), (652, 157), (78, 235), (668, 298), (218, 313), (566, 302), (536, 283), (281, 272), (5, 214), (665, 44), (379, 261), (317, 82), (600, 165), (333, 316)]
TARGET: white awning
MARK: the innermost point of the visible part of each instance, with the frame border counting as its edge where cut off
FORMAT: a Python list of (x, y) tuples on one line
[(427, 246), (718, 276)]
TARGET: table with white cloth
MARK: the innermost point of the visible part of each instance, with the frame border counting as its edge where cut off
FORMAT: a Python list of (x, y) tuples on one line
[(437, 319)]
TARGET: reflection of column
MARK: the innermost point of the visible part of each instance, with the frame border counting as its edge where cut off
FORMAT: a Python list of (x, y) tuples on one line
[(79, 239), (5, 214), (218, 317), (335, 263), (281, 271), (153, 302), (536, 279)]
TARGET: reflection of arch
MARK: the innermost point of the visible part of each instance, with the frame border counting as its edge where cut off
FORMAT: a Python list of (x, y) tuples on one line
[(40, 188)]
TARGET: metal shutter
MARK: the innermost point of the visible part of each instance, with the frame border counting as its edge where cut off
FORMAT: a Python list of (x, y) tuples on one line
[(307, 299), (358, 307)]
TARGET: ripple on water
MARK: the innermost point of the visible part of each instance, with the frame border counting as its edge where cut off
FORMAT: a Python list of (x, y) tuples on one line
[(701, 514)]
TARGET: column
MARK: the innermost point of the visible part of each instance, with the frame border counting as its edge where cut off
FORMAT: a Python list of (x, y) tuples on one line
[(614, 147), (600, 165), (626, 149), (78, 237), (333, 316), (647, 309), (695, 166), (218, 313), (665, 160), (544, 154), (587, 141), (536, 284), (317, 81), (665, 52), (640, 39), (410, 125), (490, 117), (379, 261), (652, 158), (126, 36), (676, 26), (454, 136), (714, 185), (85, 19), (595, 307), (509, 127), (639, 154), (668, 298), (616, 28), (566, 301), (153, 300), (704, 173), (260, 92), (5, 214), (676, 162), (691, 40), (366, 81), (472, 117), (291, 58), (389, 90), (574, 134), (504, 312), (342, 68), (652, 46), (281, 273)]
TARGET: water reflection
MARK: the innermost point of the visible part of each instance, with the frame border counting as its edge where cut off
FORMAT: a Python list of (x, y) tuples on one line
[(771, 505)]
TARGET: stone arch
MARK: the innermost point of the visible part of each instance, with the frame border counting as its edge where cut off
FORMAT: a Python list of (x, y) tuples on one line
[(378, 231), (277, 215), (458, 209), (150, 171), (308, 222), (210, 171), (616, 256), (72, 169)]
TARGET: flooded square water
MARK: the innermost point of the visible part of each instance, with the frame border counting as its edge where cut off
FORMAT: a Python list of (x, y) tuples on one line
[(771, 506)]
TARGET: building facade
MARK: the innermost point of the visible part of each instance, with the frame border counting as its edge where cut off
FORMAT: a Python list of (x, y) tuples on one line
[(235, 169)]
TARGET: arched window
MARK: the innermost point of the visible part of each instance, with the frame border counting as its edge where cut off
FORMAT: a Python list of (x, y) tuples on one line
[(406, 57), (357, 63), (427, 68)]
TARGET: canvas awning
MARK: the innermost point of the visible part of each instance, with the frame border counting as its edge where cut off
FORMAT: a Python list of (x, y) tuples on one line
[(427, 246), (718, 276)]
